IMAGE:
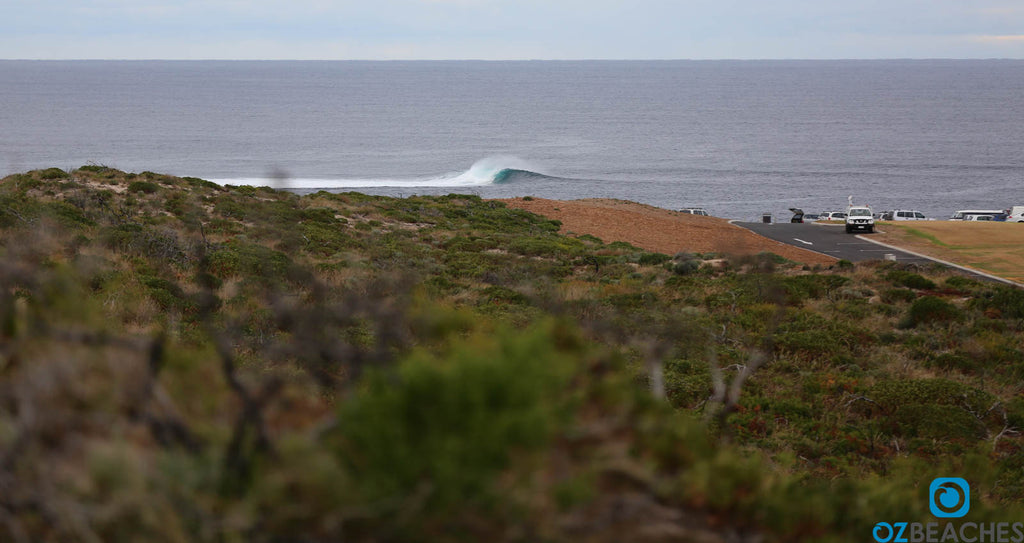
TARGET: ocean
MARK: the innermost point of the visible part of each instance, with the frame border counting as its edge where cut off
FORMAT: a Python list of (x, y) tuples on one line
[(739, 138)]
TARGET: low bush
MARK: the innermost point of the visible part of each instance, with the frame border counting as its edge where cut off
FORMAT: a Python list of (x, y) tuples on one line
[(810, 337), (546, 246), (930, 310), (53, 173), (235, 258), (168, 295), (938, 422), (908, 279), (147, 241), (653, 259), (68, 215), (144, 187), (1006, 302), (897, 295), (454, 423), (895, 393), (812, 286)]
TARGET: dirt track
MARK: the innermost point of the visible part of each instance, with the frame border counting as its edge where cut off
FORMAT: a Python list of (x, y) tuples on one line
[(660, 230)]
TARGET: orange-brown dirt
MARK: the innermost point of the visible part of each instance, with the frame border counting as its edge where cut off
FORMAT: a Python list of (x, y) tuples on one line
[(660, 230)]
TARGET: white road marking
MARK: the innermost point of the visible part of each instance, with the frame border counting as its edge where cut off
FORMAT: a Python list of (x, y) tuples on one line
[(804, 242)]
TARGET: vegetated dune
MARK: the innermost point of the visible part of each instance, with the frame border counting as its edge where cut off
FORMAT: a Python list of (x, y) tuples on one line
[(660, 230), (992, 247), (185, 361)]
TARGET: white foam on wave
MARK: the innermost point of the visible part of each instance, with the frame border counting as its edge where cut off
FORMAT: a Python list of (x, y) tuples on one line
[(481, 173)]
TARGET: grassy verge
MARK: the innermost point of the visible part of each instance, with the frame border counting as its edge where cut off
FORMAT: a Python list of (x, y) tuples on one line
[(997, 248)]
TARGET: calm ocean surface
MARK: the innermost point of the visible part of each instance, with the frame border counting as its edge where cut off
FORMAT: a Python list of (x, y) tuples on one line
[(739, 138)]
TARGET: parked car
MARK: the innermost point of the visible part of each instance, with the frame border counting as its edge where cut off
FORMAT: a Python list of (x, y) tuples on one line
[(694, 211), (963, 213), (811, 217), (859, 219), (885, 215), (1015, 214), (979, 218), (908, 215), (798, 215), (832, 216)]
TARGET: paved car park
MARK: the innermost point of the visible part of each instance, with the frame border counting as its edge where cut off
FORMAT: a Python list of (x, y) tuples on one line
[(831, 240)]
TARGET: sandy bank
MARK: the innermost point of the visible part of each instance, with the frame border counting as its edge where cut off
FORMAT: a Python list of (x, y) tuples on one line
[(660, 230)]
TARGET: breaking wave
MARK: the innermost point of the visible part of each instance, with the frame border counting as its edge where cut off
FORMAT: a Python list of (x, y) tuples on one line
[(489, 171)]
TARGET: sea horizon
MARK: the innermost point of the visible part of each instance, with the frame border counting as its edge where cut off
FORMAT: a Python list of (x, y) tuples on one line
[(739, 137)]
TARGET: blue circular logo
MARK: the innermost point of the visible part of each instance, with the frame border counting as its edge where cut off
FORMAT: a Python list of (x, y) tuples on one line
[(949, 497)]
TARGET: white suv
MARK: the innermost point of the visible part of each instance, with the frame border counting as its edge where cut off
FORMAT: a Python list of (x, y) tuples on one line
[(908, 215), (859, 219)]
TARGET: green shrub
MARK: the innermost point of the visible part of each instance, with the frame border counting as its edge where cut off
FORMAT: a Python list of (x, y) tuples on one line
[(814, 286), (953, 361), (653, 259), (685, 267), (546, 246), (470, 244), (53, 173), (502, 295), (808, 336), (148, 241), (237, 258), (324, 240), (687, 382), (201, 183), (896, 295), (632, 301), (245, 190), (912, 280), (229, 207), (938, 422), (962, 283), (168, 295), (144, 187), (68, 215), (930, 310), (323, 215), (894, 393), (456, 422), (1007, 301), (685, 264)]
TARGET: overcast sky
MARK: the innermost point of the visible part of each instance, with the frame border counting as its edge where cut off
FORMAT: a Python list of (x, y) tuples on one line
[(510, 29)]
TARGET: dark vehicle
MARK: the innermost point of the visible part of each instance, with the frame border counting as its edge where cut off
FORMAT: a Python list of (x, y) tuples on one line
[(798, 215)]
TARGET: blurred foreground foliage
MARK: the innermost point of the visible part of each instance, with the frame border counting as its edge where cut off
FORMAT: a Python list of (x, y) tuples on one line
[(182, 361)]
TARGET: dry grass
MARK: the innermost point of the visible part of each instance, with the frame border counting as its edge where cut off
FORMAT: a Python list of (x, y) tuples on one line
[(993, 247)]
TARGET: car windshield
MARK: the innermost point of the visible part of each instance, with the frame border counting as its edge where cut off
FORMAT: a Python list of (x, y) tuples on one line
[(861, 212)]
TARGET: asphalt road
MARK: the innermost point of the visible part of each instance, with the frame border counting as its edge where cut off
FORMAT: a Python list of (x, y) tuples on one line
[(829, 239)]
